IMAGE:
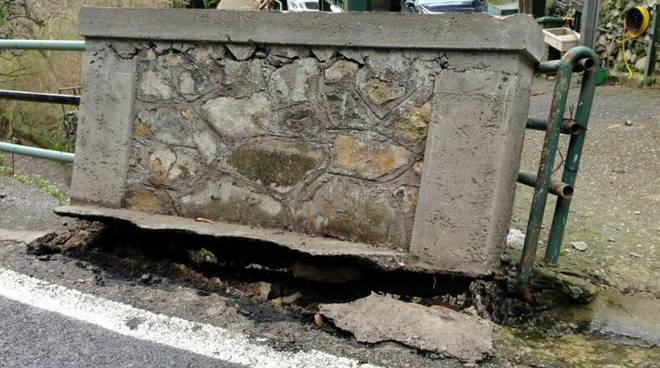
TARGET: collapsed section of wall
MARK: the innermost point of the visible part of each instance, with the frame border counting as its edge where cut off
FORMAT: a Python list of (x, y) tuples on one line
[(398, 132)]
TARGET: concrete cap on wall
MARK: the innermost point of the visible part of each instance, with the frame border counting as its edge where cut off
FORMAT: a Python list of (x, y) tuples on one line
[(457, 31)]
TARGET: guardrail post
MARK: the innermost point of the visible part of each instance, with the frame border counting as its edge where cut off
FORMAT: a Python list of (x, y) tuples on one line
[(578, 58)]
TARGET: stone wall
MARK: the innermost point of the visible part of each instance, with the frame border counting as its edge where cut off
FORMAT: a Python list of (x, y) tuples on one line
[(611, 30), (324, 142), (410, 149)]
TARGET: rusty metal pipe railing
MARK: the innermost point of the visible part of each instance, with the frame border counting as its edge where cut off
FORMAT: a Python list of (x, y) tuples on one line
[(568, 126), (573, 156), (558, 188), (573, 60)]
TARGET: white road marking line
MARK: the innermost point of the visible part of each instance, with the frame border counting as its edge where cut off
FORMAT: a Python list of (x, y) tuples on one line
[(199, 338)]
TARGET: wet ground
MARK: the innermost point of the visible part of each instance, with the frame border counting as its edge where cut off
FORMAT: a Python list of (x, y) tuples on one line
[(616, 212)]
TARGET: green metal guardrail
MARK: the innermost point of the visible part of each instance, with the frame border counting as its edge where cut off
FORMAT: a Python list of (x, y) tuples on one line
[(42, 45), (577, 59), (40, 97), (37, 152)]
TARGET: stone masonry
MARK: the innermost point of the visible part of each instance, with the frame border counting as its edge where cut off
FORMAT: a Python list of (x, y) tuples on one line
[(410, 149)]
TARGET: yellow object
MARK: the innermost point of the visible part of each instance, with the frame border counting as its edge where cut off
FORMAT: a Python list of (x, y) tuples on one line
[(637, 21), (625, 58)]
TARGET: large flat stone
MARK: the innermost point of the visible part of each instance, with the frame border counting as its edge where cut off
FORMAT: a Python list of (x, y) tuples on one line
[(379, 318)]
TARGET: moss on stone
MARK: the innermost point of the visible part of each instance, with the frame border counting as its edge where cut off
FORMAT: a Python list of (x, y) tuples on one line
[(571, 286), (527, 348), (361, 223), (185, 173), (270, 167), (414, 127), (380, 92), (143, 200), (142, 130)]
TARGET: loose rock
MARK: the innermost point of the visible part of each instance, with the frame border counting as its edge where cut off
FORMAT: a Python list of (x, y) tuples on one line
[(579, 245), (265, 290), (515, 239), (378, 318)]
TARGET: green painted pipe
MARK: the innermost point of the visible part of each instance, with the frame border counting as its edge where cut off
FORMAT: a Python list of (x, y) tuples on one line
[(59, 45), (42, 45), (573, 156), (37, 152), (565, 70), (548, 67)]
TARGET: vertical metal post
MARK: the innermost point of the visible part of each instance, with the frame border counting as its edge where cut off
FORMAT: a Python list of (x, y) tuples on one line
[(538, 8), (525, 6), (543, 177), (655, 38), (589, 23)]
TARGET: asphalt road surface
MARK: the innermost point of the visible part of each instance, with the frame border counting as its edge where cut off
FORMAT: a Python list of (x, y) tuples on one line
[(43, 324), (33, 337)]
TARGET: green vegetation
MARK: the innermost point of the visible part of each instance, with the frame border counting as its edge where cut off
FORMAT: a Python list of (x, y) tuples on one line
[(46, 125), (34, 181), (650, 81)]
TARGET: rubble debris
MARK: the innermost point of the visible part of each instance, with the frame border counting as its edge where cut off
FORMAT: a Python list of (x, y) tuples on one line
[(437, 329), (488, 301), (216, 281), (150, 279), (78, 236), (552, 281), (290, 299), (265, 290), (318, 320), (201, 256)]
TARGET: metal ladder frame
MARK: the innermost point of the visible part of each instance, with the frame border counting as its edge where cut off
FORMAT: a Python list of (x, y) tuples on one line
[(575, 60)]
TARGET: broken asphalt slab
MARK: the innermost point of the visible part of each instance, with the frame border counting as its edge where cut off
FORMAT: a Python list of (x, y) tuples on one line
[(377, 318)]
